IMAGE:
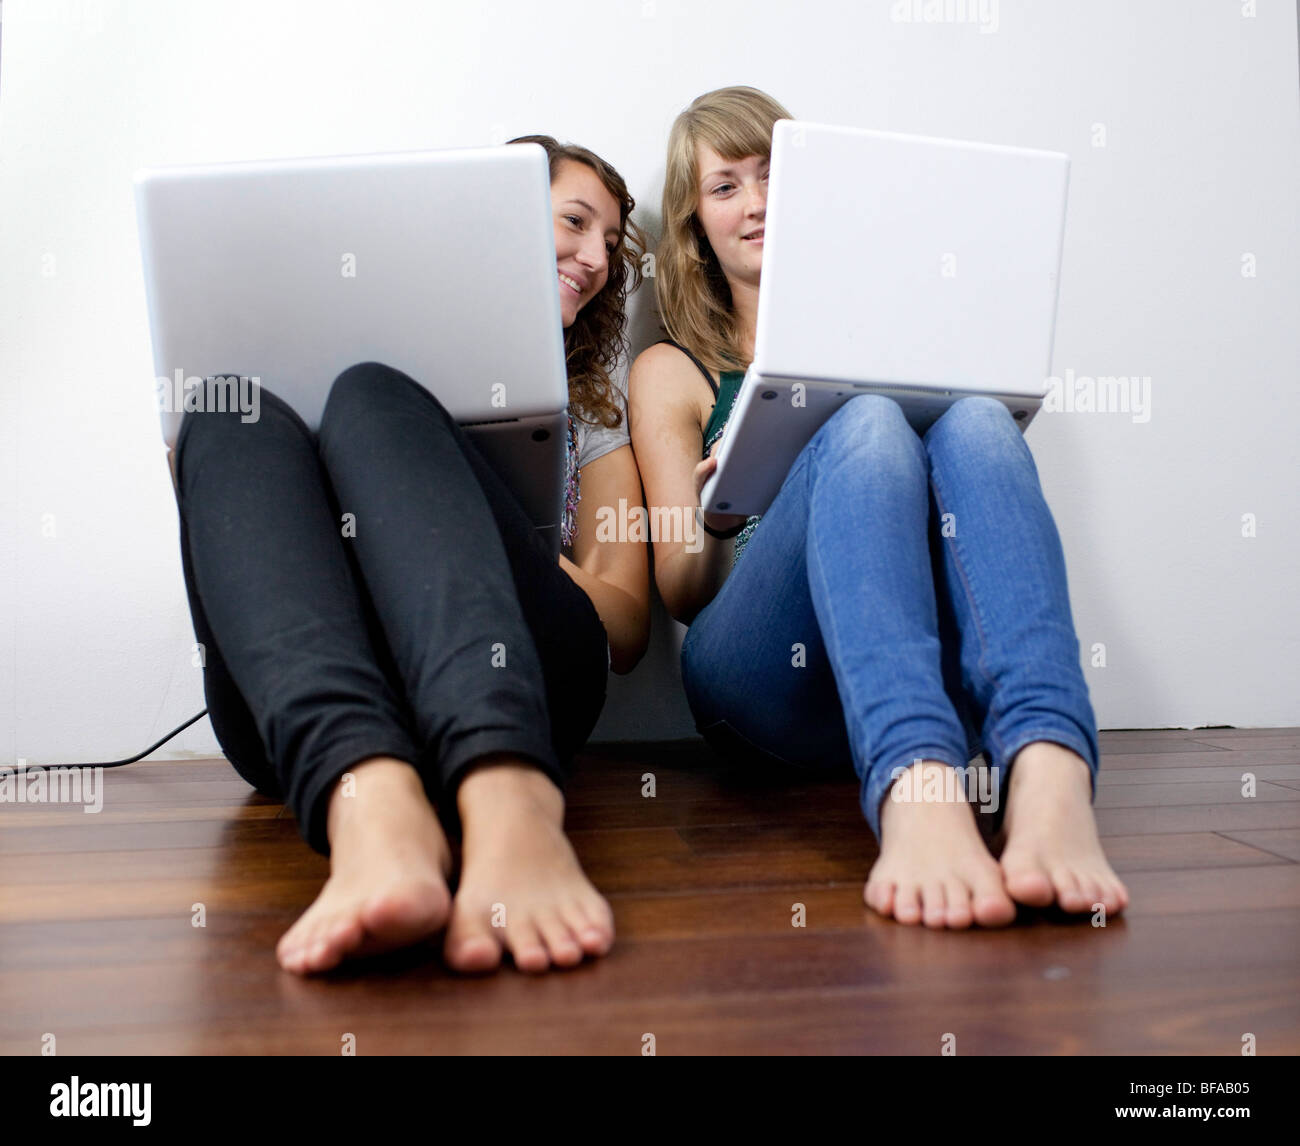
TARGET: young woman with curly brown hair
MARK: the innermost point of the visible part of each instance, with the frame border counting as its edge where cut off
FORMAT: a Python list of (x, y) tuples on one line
[(440, 658)]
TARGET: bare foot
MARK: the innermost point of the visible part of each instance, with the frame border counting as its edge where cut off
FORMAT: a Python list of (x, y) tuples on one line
[(389, 861), (521, 887), (934, 868), (1052, 851)]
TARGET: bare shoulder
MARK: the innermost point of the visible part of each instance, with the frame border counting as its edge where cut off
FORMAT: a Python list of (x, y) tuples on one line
[(662, 374)]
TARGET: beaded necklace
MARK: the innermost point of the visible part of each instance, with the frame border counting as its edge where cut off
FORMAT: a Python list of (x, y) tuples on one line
[(572, 493)]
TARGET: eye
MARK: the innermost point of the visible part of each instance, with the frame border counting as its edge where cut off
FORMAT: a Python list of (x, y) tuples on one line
[(720, 187), (610, 248), (574, 219)]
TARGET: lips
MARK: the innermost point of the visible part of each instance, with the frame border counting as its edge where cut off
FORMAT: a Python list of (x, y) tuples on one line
[(576, 285), (754, 236)]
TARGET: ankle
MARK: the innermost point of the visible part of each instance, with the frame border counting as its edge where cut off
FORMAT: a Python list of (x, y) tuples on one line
[(500, 782), (382, 776), (926, 782), (922, 787), (1046, 758)]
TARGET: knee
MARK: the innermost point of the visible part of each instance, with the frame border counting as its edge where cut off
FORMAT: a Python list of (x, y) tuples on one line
[(986, 425), (231, 413), (362, 386), (977, 413), (872, 426), (866, 415)]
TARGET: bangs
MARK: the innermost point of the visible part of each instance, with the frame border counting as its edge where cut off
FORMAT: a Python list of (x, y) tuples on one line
[(734, 133)]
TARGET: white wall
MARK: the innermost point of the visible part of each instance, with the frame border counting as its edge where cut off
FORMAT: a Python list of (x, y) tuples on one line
[(1201, 164)]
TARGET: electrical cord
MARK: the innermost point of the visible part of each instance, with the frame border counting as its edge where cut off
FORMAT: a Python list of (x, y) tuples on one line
[(159, 744)]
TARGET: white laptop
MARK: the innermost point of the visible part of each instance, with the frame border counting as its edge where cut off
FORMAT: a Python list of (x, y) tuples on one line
[(922, 269), (439, 263)]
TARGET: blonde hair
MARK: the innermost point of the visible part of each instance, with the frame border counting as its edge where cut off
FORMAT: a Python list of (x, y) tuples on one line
[(693, 294)]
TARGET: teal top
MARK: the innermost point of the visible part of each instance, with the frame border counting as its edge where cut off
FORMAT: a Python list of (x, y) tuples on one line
[(722, 407)]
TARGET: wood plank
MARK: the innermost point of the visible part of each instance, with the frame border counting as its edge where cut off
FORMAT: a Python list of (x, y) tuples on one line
[(1209, 774), (1182, 760), (1176, 851), (127, 835), (1243, 815), (1236, 734), (1152, 745), (1182, 795), (1059, 989), (96, 941), (256, 809), (1275, 743), (1284, 842)]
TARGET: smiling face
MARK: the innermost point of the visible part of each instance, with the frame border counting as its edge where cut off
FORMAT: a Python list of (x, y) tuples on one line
[(731, 209), (586, 235)]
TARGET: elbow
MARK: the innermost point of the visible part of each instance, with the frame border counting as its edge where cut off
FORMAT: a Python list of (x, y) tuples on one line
[(627, 653), (622, 663), (678, 611), (677, 602)]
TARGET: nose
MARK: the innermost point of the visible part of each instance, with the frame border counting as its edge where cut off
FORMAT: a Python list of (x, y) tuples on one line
[(756, 200), (592, 253)]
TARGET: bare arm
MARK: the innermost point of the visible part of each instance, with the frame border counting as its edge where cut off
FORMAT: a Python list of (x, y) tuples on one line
[(614, 574), (667, 434)]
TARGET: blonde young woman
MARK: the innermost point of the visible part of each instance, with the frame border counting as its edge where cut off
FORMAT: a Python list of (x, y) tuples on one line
[(438, 657), (841, 625)]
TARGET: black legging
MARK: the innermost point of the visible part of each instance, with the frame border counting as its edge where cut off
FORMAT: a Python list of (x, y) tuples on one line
[(442, 631)]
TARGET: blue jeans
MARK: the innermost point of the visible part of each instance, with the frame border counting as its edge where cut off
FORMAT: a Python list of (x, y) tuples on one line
[(903, 597)]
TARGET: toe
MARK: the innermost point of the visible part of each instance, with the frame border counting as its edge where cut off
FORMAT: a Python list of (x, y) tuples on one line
[(291, 959), (991, 905), (871, 892), (887, 897), (879, 896), (561, 944), (1069, 895), (400, 918), (592, 925), (1092, 893), (958, 898), (297, 949), (935, 904), (1122, 891), (1109, 893), (526, 946), (471, 943), (322, 957), (907, 906), (342, 935), (1027, 882)]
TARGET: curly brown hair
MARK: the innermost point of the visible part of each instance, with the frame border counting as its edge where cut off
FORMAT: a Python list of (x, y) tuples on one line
[(596, 338)]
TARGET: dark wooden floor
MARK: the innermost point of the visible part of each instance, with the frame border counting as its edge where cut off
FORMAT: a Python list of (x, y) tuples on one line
[(97, 946)]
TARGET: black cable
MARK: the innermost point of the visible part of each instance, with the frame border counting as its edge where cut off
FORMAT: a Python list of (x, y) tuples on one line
[(141, 755)]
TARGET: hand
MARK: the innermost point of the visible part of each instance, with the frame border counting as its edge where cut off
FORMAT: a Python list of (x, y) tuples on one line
[(719, 521)]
